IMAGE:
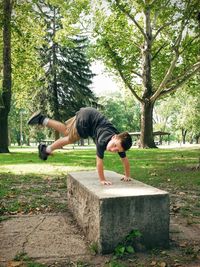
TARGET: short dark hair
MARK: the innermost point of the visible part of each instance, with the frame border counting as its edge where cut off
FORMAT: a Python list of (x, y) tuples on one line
[(126, 140)]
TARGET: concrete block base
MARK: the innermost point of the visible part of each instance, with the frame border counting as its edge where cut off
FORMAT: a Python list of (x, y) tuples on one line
[(107, 214)]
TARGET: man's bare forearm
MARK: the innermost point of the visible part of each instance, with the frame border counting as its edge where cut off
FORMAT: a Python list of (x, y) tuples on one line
[(100, 170), (126, 165)]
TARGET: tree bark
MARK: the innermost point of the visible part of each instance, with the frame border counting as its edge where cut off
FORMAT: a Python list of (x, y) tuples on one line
[(197, 139), (184, 132), (54, 82), (6, 90), (146, 137)]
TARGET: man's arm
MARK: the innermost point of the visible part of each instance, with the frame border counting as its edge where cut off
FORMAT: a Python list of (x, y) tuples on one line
[(127, 172), (100, 170)]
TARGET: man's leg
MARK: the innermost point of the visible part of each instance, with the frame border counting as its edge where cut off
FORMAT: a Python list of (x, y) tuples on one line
[(39, 119), (45, 151), (56, 125), (69, 136), (60, 143)]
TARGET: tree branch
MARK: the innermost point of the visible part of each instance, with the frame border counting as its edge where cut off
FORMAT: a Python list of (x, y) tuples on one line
[(136, 73), (160, 29), (137, 45), (158, 51), (172, 65), (184, 74), (168, 74), (116, 60), (153, 2), (197, 36), (169, 23), (175, 87), (122, 8), (129, 86), (164, 26)]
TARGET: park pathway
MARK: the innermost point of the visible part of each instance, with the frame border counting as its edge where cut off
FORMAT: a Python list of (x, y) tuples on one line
[(45, 238), (56, 240)]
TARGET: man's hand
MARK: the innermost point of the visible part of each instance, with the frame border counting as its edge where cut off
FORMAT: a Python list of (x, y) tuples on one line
[(126, 179), (101, 172), (127, 172), (104, 182)]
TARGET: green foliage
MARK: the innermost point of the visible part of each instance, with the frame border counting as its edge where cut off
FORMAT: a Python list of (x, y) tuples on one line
[(27, 35), (21, 256), (72, 12), (124, 113), (28, 32), (94, 248), (126, 246), (81, 264), (67, 71), (133, 234), (19, 132), (114, 263), (151, 46), (178, 112), (27, 261), (120, 28)]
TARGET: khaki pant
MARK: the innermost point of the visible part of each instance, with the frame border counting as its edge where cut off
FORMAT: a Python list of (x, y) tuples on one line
[(71, 130)]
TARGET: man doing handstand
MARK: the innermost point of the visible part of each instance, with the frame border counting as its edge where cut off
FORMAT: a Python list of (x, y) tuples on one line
[(87, 122)]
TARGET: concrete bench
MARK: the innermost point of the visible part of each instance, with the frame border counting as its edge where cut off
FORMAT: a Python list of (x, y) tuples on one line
[(109, 213)]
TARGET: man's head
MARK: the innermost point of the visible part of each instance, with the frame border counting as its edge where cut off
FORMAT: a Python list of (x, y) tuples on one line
[(119, 142)]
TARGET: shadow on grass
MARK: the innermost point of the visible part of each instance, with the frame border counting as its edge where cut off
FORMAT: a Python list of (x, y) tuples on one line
[(153, 167)]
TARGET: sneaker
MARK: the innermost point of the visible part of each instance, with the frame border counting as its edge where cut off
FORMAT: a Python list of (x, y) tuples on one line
[(42, 151), (36, 118)]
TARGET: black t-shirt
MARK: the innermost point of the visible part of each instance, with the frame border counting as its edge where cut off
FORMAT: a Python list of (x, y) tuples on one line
[(89, 122)]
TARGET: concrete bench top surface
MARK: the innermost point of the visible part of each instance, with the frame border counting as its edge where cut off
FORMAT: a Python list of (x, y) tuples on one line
[(90, 180)]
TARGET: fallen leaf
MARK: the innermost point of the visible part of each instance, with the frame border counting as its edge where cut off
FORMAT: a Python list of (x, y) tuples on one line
[(14, 264), (176, 208), (183, 245), (11, 196), (163, 264), (153, 263)]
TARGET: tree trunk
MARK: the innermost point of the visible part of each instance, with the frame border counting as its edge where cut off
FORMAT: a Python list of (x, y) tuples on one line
[(4, 131), (184, 132), (82, 143), (197, 139), (146, 138), (54, 82), (6, 90)]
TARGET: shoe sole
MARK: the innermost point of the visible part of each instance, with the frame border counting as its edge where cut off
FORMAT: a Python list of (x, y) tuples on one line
[(33, 117), (41, 156)]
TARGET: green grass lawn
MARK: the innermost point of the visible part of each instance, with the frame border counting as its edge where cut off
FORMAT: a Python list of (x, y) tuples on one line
[(29, 185)]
